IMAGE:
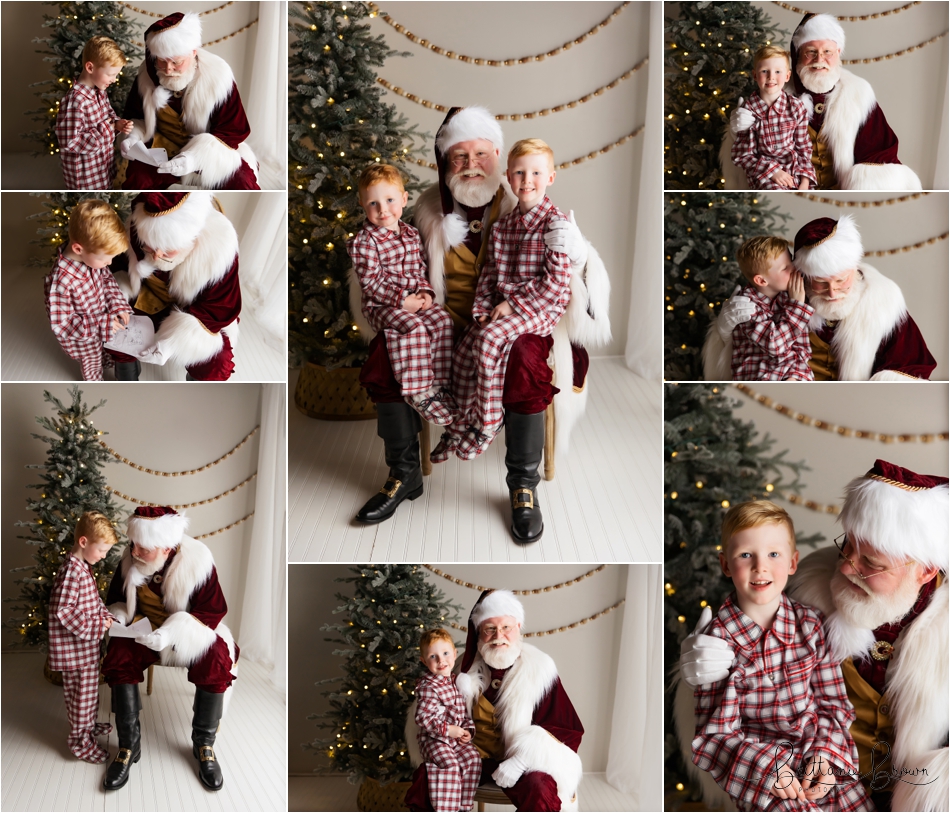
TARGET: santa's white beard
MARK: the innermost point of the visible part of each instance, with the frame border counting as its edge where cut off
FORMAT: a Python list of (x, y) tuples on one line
[(499, 657), (473, 192), (869, 610), (169, 263), (818, 81), (841, 308), (148, 569), (176, 82)]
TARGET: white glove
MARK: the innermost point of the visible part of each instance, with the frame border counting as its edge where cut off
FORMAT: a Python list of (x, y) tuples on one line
[(735, 311), (127, 143), (704, 658), (741, 119), (563, 236), (157, 640), (509, 772), (181, 164), (121, 616), (153, 355)]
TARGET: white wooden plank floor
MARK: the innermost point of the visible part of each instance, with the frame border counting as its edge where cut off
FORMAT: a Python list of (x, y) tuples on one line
[(39, 772), (604, 504), (31, 352), (336, 793)]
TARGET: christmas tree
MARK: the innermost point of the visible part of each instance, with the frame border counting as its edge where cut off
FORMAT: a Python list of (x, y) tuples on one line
[(702, 233), (712, 460), (709, 52), (72, 483), (71, 29), (54, 229), (338, 126), (383, 621)]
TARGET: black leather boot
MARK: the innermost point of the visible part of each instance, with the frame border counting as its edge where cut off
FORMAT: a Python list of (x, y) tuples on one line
[(524, 439), (204, 726), (128, 370), (398, 425), (126, 705)]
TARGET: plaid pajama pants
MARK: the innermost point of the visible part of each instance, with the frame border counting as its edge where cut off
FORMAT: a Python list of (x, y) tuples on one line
[(420, 346), (454, 771), (81, 691)]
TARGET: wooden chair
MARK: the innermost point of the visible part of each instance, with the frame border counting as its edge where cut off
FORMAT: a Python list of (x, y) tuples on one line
[(547, 471), (489, 793)]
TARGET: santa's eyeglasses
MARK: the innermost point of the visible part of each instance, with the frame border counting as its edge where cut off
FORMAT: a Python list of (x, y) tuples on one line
[(811, 54), (490, 632), (841, 542)]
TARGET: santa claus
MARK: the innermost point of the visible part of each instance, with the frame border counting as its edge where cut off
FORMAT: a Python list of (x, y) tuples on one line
[(852, 145), (860, 331), (170, 579), (183, 274), (526, 729), (884, 595), (185, 100), (454, 217)]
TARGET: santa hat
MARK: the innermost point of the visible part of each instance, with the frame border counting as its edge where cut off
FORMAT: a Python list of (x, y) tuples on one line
[(900, 513), (825, 247), (491, 604), (814, 27), (152, 527), (175, 35), (171, 220), (462, 124)]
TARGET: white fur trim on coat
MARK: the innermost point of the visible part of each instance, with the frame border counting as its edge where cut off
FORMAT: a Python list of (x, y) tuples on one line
[(215, 160), (177, 229), (525, 685), (837, 253), (178, 41), (182, 338), (870, 177)]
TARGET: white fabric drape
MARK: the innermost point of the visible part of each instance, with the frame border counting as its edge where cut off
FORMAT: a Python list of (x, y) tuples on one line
[(644, 351), (942, 171), (266, 101), (263, 262), (263, 617), (635, 760)]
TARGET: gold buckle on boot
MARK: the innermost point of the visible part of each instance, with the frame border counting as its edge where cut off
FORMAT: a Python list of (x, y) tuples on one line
[(516, 503), (123, 756), (201, 753), (397, 484)]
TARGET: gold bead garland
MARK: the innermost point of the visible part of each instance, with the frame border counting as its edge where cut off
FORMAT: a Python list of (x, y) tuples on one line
[(862, 204), (184, 505), (518, 116), (844, 431), (862, 18), (903, 249), (161, 16), (566, 164), (811, 505), (534, 592), (221, 459), (492, 63), (565, 628), (912, 48), (226, 527)]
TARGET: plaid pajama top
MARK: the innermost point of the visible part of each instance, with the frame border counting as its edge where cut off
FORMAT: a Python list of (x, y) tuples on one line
[(76, 618), (439, 705), (773, 345), (86, 133), (783, 702), (521, 269), (777, 140), (390, 266)]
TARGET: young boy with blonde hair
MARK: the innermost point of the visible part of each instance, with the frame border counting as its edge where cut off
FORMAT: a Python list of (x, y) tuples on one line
[(83, 301), (77, 621), (776, 151), (396, 296), (773, 345), (86, 124), (446, 729), (523, 288), (775, 733)]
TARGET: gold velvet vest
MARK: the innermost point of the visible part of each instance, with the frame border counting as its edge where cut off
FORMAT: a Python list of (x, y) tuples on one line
[(150, 605), (872, 723), (154, 296), (487, 736), (823, 362), (822, 161), (170, 133)]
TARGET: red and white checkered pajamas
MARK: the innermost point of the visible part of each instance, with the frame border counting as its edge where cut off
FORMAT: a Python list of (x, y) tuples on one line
[(777, 140), (85, 130), (773, 345), (81, 303), (454, 767), (391, 266), (76, 624), (783, 704), (535, 281)]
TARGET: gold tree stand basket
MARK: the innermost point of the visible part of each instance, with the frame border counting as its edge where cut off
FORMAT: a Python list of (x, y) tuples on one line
[(332, 395), (373, 796)]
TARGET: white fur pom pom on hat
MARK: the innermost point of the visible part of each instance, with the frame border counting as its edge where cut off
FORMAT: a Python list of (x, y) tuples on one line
[(469, 124), (498, 603), (819, 27), (825, 247)]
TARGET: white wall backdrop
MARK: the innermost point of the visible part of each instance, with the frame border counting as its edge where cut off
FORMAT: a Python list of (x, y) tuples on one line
[(168, 427), (835, 460), (602, 192)]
